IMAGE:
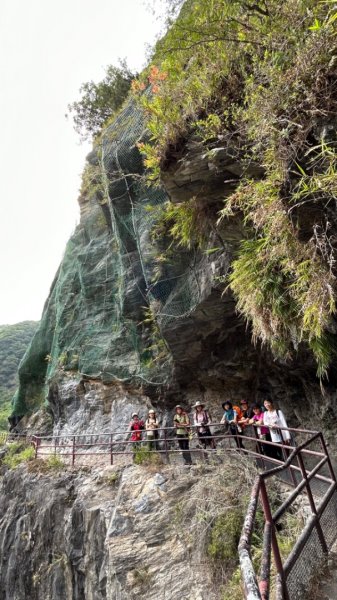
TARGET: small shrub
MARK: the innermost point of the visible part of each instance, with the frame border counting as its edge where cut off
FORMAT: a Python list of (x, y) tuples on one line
[(185, 223), (292, 525), (145, 457), (3, 437), (141, 577), (112, 478), (233, 590), (17, 454), (14, 447), (225, 535), (54, 463)]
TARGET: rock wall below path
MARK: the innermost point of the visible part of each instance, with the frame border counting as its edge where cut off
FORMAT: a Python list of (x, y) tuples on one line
[(109, 534)]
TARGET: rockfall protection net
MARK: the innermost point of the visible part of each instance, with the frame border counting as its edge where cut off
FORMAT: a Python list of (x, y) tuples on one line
[(134, 211), (114, 294)]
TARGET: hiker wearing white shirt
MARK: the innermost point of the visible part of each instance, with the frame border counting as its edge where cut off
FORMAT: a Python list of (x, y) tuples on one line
[(274, 419)]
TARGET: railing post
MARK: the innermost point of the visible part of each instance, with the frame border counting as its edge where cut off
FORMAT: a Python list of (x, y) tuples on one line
[(285, 457), (312, 504), (325, 450), (259, 445), (73, 451), (111, 451), (276, 552), (237, 438), (167, 454), (35, 441), (264, 583)]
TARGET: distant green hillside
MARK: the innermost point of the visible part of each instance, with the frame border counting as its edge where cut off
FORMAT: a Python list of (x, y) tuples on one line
[(14, 340)]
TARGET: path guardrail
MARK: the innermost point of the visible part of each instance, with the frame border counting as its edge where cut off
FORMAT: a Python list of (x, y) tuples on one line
[(117, 443), (313, 475), (305, 468)]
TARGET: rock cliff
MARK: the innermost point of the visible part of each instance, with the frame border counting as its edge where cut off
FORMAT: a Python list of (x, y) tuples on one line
[(115, 533), (125, 326), (136, 319)]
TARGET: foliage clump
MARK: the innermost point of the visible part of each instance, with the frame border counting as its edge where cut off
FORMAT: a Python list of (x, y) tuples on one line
[(100, 101), (225, 535), (55, 463), (260, 78), (18, 453), (14, 341), (147, 458), (184, 223)]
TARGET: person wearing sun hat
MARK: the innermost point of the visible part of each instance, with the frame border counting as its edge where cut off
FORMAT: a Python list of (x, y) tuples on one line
[(181, 423), (230, 418), (202, 421), (136, 427), (151, 427)]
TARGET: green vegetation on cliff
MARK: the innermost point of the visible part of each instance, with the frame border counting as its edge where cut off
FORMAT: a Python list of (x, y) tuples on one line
[(100, 101), (14, 341), (261, 79)]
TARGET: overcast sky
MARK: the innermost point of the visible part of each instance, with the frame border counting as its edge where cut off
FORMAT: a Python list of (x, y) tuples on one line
[(48, 49)]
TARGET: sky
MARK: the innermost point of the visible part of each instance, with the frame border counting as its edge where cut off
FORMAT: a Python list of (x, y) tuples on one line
[(48, 49)]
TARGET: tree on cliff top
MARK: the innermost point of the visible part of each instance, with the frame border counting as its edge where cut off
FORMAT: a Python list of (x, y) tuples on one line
[(100, 101)]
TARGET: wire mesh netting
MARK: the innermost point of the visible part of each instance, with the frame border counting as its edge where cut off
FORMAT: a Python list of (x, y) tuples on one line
[(111, 274), (310, 559), (312, 556), (328, 521)]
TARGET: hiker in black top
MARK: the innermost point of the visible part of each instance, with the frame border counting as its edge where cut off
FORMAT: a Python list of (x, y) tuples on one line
[(246, 415)]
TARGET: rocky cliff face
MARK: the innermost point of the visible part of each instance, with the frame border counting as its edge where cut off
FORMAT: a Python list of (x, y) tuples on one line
[(129, 321), (111, 533), (134, 320)]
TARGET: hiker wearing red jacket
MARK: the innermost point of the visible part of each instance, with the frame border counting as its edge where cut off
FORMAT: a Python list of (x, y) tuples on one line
[(136, 428)]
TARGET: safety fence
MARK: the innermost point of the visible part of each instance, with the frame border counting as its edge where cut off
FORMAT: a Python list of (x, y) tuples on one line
[(118, 443), (309, 471), (303, 465)]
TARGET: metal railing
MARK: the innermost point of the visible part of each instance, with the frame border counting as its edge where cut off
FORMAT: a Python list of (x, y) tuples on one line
[(309, 471), (118, 443), (306, 469)]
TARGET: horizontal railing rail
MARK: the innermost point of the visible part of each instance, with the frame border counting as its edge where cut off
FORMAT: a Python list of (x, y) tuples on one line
[(117, 442)]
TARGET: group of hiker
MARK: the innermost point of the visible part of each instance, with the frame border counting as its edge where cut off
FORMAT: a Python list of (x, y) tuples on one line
[(268, 420)]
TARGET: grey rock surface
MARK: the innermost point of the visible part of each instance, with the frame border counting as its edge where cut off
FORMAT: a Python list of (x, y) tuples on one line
[(78, 535)]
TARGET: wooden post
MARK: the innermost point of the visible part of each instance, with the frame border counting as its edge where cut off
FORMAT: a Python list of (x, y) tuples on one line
[(111, 451)]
